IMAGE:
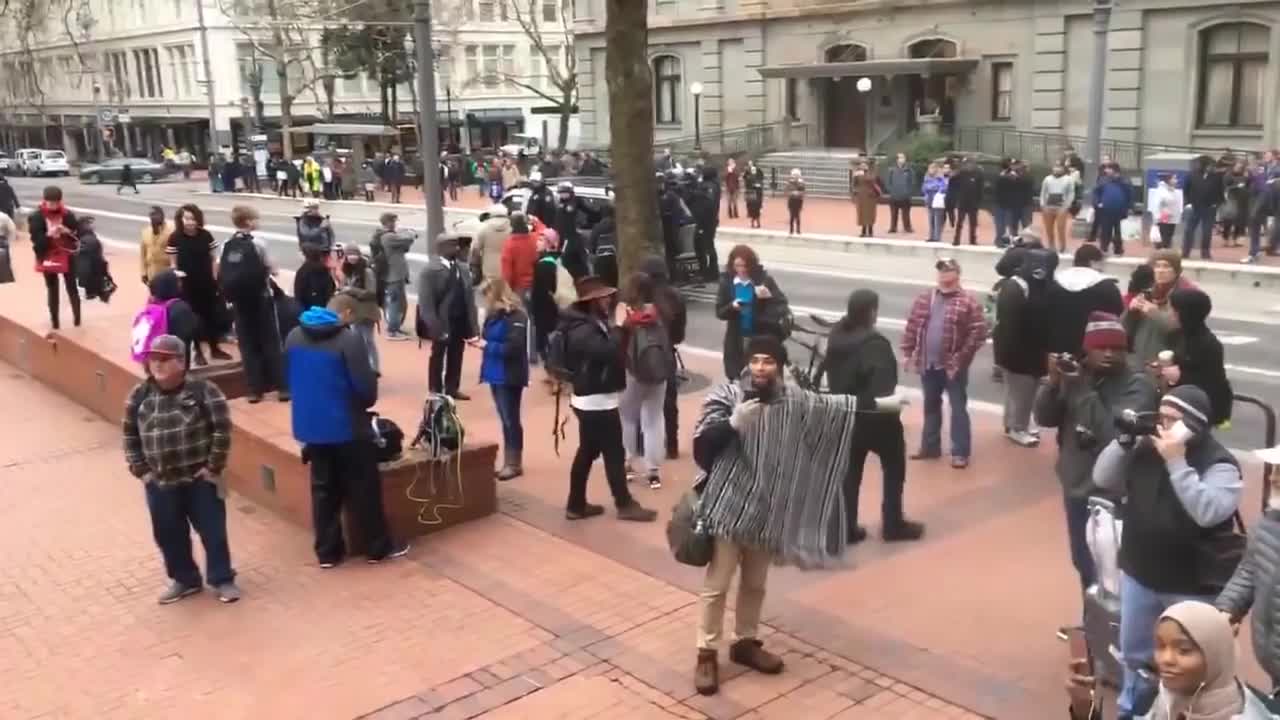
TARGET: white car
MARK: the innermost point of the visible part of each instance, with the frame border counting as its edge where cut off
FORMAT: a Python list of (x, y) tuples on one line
[(25, 159), (519, 141), (6, 163), (48, 162)]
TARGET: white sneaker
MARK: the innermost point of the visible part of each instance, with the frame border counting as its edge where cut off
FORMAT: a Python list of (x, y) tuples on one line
[(1023, 438)]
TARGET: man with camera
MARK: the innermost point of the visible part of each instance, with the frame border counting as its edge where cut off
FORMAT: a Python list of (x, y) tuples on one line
[(1081, 399), (1182, 491)]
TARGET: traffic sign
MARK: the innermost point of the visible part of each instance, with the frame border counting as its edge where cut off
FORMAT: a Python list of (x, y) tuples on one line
[(123, 116), (107, 116)]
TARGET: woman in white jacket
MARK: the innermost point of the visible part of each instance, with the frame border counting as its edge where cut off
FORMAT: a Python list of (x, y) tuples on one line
[(1166, 208)]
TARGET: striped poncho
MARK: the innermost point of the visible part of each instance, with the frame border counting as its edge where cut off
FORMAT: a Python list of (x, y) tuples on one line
[(779, 484)]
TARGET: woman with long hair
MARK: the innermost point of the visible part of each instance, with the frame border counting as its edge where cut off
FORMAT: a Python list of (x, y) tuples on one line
[(750, 303), (648, 372), (53, 237), (193, 250), (504, 367)]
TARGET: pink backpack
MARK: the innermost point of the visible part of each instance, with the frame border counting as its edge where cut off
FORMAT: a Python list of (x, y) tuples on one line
[(149, 324)]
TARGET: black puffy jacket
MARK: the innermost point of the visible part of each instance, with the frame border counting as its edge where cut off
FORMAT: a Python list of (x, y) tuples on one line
[(595, 353)]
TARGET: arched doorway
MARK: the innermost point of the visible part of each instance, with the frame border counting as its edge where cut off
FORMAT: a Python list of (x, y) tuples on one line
[(846, 112), (932, 93)]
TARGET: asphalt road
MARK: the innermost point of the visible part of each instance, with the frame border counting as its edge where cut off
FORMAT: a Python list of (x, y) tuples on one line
[(1253, 369)]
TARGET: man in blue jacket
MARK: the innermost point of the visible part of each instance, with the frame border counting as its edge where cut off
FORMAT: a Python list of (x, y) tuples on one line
[(333, 387), (1112, 200)]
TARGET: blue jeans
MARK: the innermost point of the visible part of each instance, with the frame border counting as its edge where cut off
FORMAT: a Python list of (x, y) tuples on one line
[(506, 398), (396, 307), (1140, 607), (1256, 228), (1007, 223), (175, 509), (934, 382), (215, 182), (936, 218), (1077, 511), (1204, 218)]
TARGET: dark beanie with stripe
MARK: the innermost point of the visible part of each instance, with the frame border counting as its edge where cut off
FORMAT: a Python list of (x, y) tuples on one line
[(1194, 405)]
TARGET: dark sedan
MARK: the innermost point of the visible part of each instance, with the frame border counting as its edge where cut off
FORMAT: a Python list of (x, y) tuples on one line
[(144, 170)]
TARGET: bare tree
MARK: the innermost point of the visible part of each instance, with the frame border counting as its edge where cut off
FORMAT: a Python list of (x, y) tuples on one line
[(287, 34), (553, 42), (631, 125)]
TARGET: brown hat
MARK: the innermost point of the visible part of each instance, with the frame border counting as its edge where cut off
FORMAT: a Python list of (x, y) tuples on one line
[(591, 287)]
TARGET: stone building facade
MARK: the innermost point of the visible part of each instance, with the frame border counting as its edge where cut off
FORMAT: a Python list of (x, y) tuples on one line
[(1197, 74)]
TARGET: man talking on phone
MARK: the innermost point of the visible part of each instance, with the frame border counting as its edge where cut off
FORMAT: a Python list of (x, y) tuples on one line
[(1081, 398), (1182, 494)]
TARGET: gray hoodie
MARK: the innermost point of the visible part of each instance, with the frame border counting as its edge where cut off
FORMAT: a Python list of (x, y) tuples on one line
[(1255, 587)]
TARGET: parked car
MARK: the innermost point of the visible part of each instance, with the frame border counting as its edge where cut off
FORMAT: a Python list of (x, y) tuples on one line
[(530, 144), (43, 162), (596, 192), (6, 163), (144, 170), (25, 160)]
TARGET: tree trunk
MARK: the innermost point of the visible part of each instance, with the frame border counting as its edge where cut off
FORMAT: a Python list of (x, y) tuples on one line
[(566, 112), (282, 75), (631, 128), (382, 95)]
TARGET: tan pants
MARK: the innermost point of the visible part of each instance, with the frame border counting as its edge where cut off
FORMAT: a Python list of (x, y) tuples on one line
[(1055, 227), (728, 557)]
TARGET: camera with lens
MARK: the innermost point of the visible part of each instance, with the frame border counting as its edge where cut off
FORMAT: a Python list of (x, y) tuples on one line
[(1131, 425), (1067, 364)]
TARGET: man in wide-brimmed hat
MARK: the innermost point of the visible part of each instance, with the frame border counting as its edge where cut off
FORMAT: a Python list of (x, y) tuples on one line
[(593, 335)]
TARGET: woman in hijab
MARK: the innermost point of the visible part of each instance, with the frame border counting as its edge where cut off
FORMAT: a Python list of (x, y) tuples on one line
[(1196, 660), (1197, 352)]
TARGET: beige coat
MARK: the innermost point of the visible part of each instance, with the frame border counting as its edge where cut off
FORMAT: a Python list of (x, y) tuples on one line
[(866, 195), (154, 257)]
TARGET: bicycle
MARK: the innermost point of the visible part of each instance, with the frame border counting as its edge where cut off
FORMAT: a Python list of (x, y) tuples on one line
[(810, 376)]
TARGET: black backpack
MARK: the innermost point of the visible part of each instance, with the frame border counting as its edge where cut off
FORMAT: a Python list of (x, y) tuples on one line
[(440, 430), (558, 362), (242, 273), (388, 438)]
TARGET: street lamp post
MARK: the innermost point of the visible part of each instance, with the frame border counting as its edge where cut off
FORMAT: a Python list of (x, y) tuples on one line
[(208, 76), (696, 89), (1097, 76), (428, 130), (97, 118)]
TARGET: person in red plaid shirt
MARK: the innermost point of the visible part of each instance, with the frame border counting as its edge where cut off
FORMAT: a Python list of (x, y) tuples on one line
[(944, 331), (177, 433)]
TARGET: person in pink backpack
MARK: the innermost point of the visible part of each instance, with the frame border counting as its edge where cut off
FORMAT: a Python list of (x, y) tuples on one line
[(165, 313)]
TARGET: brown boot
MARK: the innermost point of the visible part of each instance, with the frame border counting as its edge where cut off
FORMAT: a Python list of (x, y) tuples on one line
[(750, 652), (706, 676)]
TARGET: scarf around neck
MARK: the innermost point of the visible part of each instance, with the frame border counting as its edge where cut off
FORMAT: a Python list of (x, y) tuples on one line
[(779, 485)]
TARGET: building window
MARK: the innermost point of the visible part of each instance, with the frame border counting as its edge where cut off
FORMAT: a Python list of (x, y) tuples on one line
[(550, 10), (473, 63), (508, 59), (1002, 91), (491, 59), (488, 10), (537, 67), (793, 98), (1233, 71), (666, 86), (444, 66)]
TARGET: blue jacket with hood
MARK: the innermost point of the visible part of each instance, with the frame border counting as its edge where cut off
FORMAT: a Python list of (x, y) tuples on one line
[(330, 378)]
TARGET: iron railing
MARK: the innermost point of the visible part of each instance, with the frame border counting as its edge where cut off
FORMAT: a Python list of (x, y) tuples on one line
[(1043, 149)]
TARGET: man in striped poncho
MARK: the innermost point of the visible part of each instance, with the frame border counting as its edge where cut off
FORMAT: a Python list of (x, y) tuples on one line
[(773, 459)]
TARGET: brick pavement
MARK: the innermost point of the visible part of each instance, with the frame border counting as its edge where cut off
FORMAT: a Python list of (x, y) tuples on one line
[(485, 615)]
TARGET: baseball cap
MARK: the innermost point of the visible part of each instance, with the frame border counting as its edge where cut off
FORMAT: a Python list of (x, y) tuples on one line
[(167, 346), (946, 264)]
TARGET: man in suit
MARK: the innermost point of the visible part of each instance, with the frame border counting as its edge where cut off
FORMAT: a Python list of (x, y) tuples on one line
[(447, 311)]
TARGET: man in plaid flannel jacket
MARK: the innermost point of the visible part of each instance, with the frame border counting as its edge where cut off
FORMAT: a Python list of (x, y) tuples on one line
[(177, 432), (944, 331)]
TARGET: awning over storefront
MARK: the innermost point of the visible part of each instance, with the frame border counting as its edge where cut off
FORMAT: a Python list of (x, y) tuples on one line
[(346, 129), (495, 115), (873, 68)]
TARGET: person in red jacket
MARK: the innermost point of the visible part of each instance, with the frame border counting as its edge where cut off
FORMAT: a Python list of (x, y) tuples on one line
[(54, 240), (944, 331), (519, 253)]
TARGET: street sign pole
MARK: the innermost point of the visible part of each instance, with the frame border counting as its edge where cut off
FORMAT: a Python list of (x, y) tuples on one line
[(208, 77), (428, 132)]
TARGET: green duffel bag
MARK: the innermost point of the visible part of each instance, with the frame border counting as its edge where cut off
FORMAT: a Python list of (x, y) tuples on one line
[(686, 535)]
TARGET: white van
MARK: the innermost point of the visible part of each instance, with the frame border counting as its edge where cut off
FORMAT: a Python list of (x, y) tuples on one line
[(25, 160)]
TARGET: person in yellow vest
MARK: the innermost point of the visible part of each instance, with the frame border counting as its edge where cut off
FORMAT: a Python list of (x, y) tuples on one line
[(155, 238)]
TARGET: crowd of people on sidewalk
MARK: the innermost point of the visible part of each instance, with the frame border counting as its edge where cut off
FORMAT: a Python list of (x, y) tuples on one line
[(1132, 381)]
